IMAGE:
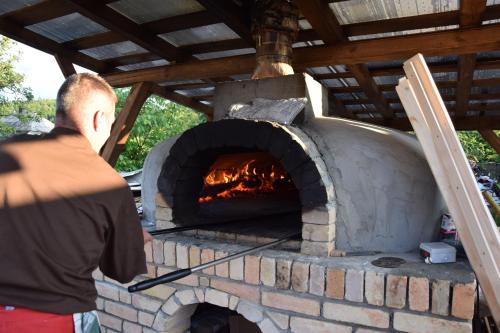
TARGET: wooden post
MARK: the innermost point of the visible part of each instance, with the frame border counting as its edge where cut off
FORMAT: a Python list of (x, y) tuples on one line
[(124, 122), (65, 65), (447, 160), (493, 139)]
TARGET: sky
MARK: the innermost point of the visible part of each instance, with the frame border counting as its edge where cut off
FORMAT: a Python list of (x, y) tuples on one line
[(41, 72)]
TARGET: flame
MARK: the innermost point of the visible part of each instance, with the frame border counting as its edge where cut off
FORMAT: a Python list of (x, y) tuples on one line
[(246, 173)]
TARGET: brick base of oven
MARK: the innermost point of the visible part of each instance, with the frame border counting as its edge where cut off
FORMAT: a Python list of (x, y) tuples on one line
[(291, 292)]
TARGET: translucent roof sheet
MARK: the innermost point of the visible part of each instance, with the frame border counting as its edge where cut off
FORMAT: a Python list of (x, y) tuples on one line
[(356, 11), (146, 64), (401, 33), (207, 33), (151, 10), (223, 54), (114, 50), (197, 92), (11, 5), (68, 27), (492, 2)]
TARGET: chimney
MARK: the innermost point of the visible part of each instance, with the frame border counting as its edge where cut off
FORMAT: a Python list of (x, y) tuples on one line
[(274, 28)]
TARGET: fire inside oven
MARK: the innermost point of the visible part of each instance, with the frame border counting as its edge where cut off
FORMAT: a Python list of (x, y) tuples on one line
[(252, 190)]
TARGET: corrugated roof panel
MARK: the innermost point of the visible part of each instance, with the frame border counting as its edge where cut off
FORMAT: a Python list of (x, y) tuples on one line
[(197, 92), (114, 50), (68, 27), (142, 65), (356, 11), (151, 10), (387, 79), (402, 33), (171, 83), (11, 5), (446, 76), (224, 54), (207, 33), (319, 70)]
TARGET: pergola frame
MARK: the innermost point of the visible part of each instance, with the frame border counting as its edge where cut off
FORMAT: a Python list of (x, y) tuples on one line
[(467, 42)]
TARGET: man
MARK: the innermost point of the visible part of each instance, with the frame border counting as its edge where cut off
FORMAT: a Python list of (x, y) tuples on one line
[(64, 212)]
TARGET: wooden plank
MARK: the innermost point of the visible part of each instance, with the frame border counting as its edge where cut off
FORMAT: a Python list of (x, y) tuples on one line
[(493, 139), (184, 100), (232, 15), (478, 232), (111, 19), (125, 121), (324, 21), (440, 43), (65, 65)]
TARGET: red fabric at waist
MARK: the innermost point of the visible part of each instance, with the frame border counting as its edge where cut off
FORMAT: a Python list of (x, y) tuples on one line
[(21, 320)]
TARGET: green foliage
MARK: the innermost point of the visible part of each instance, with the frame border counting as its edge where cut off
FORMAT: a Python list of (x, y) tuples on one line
[(476, 148), (31, 110), (11, 82), (158, 120)]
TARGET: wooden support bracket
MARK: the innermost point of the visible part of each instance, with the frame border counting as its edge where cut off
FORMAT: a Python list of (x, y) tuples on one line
[(492, 139), (65, 65), (125, 121), (447, 160)]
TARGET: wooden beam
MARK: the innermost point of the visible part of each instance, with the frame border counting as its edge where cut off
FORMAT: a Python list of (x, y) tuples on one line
[(232, 15), (470, 16), (440, 43), (28, 37), (324, 21), (478, 231), (493, 139), (65, 65), (111, 19), (184, 100), (125, 121)]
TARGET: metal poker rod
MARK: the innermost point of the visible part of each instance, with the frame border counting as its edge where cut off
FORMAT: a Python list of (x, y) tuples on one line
[(179, 274), (185, 228)]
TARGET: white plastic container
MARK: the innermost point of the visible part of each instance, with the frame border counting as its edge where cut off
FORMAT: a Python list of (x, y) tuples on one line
[(438, 253)]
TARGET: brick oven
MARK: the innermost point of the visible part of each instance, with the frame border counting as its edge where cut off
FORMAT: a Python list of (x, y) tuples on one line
[(357, 193)]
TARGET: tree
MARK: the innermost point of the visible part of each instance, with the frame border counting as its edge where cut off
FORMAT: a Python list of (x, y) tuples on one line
[(11, 82), (476, 148), (158, 120)]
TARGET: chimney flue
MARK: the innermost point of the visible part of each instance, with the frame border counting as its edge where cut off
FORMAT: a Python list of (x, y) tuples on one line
[(274, 28)]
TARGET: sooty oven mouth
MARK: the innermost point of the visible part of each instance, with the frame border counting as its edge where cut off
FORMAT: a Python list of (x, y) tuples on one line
[(246, 193)]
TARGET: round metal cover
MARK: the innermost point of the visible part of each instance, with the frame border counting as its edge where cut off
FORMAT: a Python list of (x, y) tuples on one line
[(388, 262)]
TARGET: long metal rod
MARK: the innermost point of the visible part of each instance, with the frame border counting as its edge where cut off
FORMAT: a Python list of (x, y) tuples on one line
[(173, 276)]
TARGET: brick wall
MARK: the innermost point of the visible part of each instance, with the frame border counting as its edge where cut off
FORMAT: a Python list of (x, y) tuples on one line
[(290, 292)]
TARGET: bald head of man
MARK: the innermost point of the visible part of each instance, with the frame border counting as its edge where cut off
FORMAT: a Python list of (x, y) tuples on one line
[(86, 103)]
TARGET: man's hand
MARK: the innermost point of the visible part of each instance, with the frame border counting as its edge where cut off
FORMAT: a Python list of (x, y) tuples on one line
[(147, 236)]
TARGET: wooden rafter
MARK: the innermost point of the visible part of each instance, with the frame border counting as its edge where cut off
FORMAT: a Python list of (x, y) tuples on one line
[(232, 15), (323, 20), (493, 139), (65, 65), (470, 16), (124, 122), (111, 19)]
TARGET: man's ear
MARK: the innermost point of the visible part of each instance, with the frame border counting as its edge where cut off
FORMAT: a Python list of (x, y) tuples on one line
[(97, 120)]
